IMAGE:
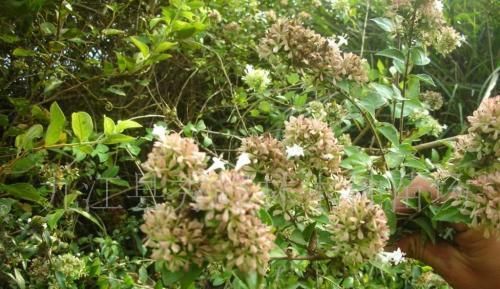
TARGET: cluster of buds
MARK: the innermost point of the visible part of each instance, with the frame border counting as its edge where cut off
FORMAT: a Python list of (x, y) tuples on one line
[(321, 149), (429, 24), (358, 229), (482, 202), (432, 99), (216, 220), (308, 49), (272, 163), (476, 164), (300, 167), (482, 141), (173, 163), (219, 224)]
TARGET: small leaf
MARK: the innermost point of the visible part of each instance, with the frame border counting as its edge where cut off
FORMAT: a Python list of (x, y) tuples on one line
[(385, 23), (392, 53), (418, 57), (141, 45), (56, 126), (126, 124), (53, 218), (111, 31), (118, 138), (88, 216), (81, 123), (19, 279), (425, 78), (6, 206), (389, 131), (451, 214), (21, 52), (265, 217), (165, 45), (52, 84), (109, 126), (426, 226)]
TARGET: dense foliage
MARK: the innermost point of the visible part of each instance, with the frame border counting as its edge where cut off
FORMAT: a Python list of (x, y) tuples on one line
[(241, 143)]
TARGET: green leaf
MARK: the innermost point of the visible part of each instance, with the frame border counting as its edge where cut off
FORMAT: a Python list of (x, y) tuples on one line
[(426, 226), (385, 23), (109, 126), (52, 84), (19, 279), (141, 45), (21, 52), (56, 126), (23, 191), (111, 31), (392, 53), (81, 123), (300, 100), (165, 45), (293, 78), (25, 140), (389, 131), (188, 277), (425, 78), (116, 91), (348, 282), (6, 206), (88, 216), (265, 217), (53, 218), (418, 57), (118, 138), (126, 124), (450, 214)]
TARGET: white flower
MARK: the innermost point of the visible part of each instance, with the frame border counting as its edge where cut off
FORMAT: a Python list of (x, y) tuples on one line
[(345, 193), (217, 163), (256, 78), (438, 5), (294, 151), (243, 160), (159, 131), (395, 257), (342, 40)]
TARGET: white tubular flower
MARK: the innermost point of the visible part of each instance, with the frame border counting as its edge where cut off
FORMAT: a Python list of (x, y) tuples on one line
[(342, 40), (217, 163), (294, 151), (159, 131), (395, 257), (243, 160)]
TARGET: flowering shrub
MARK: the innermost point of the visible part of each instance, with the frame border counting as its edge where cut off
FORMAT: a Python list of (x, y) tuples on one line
[(242, 144)]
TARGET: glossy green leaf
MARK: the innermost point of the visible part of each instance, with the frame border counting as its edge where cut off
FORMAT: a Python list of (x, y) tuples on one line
[(418, 56), (109, 126), (392, 53), (389, 131), (385, 23), (82, 125), (141, 46), (126, 124), (56, 126)]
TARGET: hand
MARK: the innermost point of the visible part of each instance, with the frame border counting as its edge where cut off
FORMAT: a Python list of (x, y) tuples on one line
[(471, 261)]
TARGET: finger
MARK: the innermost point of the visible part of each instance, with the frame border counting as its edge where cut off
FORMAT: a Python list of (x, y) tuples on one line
[(443, 257)]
